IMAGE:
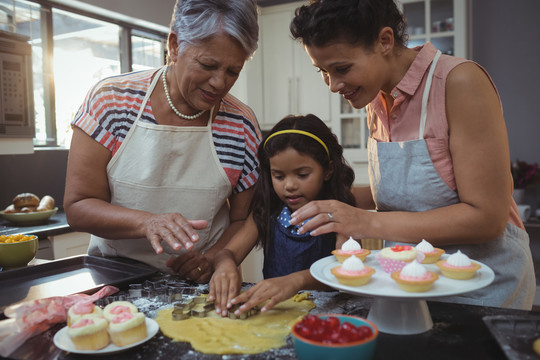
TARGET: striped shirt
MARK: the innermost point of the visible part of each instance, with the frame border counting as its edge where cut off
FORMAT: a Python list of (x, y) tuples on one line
[(112, 105)]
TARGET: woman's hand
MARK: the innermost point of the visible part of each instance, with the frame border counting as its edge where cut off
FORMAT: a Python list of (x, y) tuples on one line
[(275, 290), (225, 284), (191, 265), (328, 216), (174, 229)]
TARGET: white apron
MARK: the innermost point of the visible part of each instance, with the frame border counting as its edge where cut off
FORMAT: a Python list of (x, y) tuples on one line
[(403, 178), (163, 169)]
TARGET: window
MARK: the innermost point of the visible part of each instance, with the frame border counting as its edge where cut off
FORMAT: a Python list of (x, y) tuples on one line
[(146, 52), (85, 51), (72, 49)]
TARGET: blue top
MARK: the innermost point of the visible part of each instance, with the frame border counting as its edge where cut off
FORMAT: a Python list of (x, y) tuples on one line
[(288, 251)]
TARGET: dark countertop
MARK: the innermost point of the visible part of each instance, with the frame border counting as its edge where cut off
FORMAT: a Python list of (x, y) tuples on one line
[(55, 225), (459, 332)]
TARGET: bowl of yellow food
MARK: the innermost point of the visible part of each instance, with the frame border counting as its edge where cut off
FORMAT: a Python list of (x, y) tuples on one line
[(17, 250)]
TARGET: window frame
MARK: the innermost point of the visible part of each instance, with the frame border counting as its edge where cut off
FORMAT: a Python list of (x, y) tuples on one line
[(128, 26)]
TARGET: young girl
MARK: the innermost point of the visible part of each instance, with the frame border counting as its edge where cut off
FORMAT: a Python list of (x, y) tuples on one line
[(300, 161)]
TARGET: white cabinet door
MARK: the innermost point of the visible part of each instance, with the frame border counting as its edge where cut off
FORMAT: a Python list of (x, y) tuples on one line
[(312, 94), (70, 244), (277, 64), (291, 84)]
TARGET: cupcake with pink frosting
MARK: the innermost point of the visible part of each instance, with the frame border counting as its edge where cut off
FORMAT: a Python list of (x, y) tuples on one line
[(117, 307), (353, 272), (127, 328), (458, 266), (432, 254), (349, 248), (414, 277), (89, 332), (80, 309)]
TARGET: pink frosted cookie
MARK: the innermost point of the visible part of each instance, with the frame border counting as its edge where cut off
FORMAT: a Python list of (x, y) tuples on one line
[(353, 272), (349, 248)]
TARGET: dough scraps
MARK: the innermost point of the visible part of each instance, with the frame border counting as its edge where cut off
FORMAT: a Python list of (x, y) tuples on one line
[(220, 335)]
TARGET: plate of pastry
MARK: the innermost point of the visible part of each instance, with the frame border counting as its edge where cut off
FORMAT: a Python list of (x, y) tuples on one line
[(29, 217), (63, 341), (382, 284)]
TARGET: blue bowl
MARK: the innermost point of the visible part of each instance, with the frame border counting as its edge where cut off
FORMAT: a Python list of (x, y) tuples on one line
[(307, 349)]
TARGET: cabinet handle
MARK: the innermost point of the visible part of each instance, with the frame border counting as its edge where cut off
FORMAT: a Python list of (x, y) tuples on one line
[(289, 95), (297, 102)]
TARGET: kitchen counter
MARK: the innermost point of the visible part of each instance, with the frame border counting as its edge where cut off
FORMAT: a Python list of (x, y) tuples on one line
[(55, 225), (459, 332)]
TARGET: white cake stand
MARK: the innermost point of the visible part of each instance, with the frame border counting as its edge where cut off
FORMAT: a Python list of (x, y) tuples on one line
[(396, 311)]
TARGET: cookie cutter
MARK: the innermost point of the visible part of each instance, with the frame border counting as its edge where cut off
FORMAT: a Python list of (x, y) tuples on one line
[(185, 308), (243, 316)]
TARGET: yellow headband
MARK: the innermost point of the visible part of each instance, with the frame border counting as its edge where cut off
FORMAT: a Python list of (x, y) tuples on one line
[(292, 131)]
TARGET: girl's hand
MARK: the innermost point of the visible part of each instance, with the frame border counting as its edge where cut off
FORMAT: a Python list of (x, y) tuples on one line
[(225, 284), (174, 229), (275, 290), (191, 265)]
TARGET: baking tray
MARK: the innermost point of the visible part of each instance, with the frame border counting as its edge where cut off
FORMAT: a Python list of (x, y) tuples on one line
[(515, 334), (77, 274)]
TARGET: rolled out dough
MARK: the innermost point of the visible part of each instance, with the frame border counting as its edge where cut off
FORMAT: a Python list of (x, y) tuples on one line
[(217, 335)]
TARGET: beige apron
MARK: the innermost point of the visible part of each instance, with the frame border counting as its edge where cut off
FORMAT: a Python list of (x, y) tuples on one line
[(163, 169)]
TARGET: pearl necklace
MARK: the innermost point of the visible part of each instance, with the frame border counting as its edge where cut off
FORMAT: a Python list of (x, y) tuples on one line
[(187, 117)]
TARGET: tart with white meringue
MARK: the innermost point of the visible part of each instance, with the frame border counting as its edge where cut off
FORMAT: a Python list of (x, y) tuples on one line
[(414, 277), (353, 272), (349, 248), (458, 266), (432, 254)]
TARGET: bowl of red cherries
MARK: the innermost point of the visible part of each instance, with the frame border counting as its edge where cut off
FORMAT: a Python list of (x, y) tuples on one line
[(334, 336)]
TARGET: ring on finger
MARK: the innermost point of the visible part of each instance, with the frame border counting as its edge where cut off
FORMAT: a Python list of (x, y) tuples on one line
[(199, 268), (330, 217)]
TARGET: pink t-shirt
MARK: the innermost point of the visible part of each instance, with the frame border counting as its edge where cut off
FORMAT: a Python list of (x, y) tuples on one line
[(404, 118)]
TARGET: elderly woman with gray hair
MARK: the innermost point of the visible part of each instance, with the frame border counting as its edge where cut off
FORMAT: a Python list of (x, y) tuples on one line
[(163, 162)]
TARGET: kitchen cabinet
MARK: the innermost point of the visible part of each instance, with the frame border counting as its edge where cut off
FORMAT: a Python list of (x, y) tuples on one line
[(350, 126), (291, 85), (444, 23), (252, 266), (69, 244)]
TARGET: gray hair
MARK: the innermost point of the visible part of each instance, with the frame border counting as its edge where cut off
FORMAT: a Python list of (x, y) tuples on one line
[(194, 21)]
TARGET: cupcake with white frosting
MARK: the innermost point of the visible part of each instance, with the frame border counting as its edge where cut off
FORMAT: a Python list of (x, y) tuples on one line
[(414, 277), (349, 248), (432, 254), (353, 272), (458, 266)]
